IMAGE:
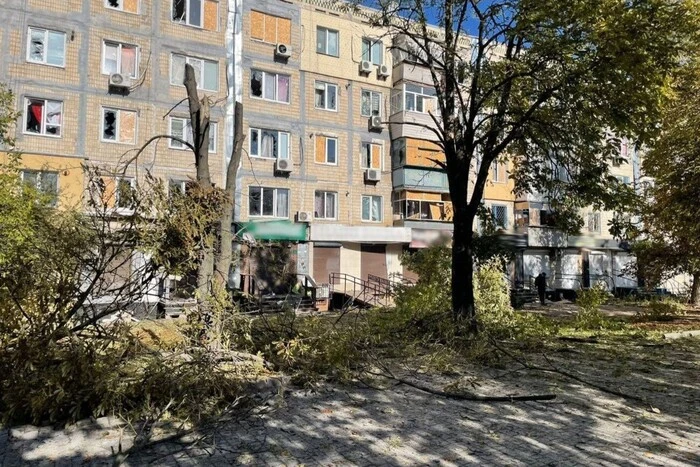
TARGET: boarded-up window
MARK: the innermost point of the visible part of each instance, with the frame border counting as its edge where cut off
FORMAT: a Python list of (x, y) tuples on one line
[(326, 150), (131, 6), (269, 28), (211, 15), (371, 156), (118, 125)]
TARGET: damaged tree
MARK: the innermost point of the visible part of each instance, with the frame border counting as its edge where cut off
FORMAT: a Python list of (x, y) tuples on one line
[(539, 85)]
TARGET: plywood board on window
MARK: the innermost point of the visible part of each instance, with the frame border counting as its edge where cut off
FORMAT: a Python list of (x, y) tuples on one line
[(127, 127), (376, 156), (132, 6), (284, 30), (211, 15), (108, 192), (419, 195), (320, 156), (270, 29), (257, 25)]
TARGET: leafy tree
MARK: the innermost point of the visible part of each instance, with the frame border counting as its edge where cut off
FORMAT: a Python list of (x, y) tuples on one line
[(670, 228), (540, 83)]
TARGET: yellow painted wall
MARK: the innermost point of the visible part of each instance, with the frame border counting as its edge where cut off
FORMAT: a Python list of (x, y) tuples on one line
[(70, 174), (501, 190)]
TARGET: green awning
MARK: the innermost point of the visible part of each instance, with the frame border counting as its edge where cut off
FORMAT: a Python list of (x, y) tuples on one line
[(273, 230)]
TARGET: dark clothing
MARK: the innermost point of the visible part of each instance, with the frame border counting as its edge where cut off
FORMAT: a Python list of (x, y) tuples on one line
[(541, 284)]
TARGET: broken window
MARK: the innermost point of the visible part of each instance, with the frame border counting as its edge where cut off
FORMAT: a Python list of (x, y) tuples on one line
[(125, 193), (182, 128), (130, 6), (206, 72), (371, 103), (269, 86), (326, 96), (118, 125), (189, 12), (268, 202), (371, 156), (270, 144), (46, 47), (43, 117), (120, 58), (44, 181)]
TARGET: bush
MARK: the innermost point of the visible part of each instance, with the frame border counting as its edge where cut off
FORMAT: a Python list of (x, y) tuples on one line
[(661, 310), (589, 301)]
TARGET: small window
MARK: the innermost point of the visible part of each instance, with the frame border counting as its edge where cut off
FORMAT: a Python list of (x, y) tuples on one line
[(125, 192), (188, 12), (373, 51), (326, 96), (43, 117), (181, 128), (371, 156), (268, 202), (130, 6), (269, 144), (120, 58), (327, 150), (498, 172), (206, 72), (325, 205), (371, 103), (269, 86), (179, 186), (46, 47), (44, 181), (327, 41), (500, 215), (118, 126), (593, 222), (372, 208)]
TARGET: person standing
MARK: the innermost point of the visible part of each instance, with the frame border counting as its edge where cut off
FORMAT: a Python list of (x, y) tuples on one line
[(541, 284)]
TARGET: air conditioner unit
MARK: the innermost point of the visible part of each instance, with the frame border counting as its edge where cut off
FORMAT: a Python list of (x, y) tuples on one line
[(375, 123), (303, 216), (383, 71), (373, 175), (283, 165), (365, 67), (283, 51), (117, 80)]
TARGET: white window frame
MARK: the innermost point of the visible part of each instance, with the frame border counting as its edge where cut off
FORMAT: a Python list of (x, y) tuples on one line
[(275, 191), (200, 79), (117, 126), (42, 131), (40, 174), (371, 100), (325, 48), (280, 135), (186, 22), (505, 217), (120, 46), (326, 139), (363, 155), (180, 183), (371, 42), (189, 137), (324, 86), (326, 194), (596, 220), (121, 7), (265, 76), (381, 208), (44, 60), (495, 166), (423, 96), (117, 180)]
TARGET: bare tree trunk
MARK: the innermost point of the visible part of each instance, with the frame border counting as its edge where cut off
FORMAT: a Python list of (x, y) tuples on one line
[(199, 119), (463, 309), (695, 289), (225, 253)]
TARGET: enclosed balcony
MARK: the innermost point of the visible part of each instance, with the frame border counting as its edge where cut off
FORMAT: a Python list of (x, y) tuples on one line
[(420, 179), (422, 211)]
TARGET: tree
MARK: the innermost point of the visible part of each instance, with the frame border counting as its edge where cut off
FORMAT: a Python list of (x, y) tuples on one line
[(670, 228), (540, 83)]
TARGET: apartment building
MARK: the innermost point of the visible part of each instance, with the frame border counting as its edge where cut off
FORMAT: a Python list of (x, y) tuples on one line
[(95, 79)]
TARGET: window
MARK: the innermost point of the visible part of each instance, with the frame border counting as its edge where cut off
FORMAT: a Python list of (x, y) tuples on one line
[(206, 72), (268, 202), (326, 96), (371, 208), (125, 192), (46, 182), (43, 117), (498, 172), (269, 144), (131, 6), (181, 128), (269, 86), (624, 179), (325, 203), (188, 12), (373, 51), (371, 103), (326, 150), (371, 156), (419, 98), (179, 186), (500, 215), (593, 222), (118, 125), (271, 29), (327, 41), (120, 58), (46, 47)]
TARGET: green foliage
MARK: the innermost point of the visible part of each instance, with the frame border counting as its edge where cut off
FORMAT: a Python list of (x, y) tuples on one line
[(661, 310), (8, 117), (589, 302)]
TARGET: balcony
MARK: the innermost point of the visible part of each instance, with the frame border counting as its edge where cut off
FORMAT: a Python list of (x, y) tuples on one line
[(406, 210), (422, 179)]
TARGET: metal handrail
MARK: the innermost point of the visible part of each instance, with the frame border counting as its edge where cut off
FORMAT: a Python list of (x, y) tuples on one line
[(365, 286)]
